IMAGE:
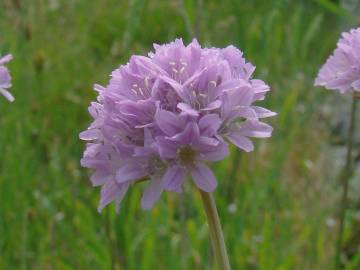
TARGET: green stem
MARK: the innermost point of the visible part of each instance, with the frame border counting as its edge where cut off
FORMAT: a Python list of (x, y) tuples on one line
[(344, 179), (216, 234)]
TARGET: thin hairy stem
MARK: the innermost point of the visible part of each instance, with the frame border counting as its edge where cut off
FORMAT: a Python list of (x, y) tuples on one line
[(216, 234)]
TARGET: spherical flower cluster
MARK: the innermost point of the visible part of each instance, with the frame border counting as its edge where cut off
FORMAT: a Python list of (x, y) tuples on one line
[(5, 78), (342, 69), (168, 116)]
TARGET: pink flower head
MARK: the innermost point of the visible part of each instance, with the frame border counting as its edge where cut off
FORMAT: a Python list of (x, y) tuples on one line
[(5, 78), (342, 69), (167, 116)]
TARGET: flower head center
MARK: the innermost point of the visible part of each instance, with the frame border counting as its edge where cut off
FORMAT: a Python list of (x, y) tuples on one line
[(187, 155)]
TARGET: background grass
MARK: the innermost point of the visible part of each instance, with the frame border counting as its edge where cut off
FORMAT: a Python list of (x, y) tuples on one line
[(278, 204)]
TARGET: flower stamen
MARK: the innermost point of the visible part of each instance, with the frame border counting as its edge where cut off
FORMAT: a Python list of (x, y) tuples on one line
[(187, 155)]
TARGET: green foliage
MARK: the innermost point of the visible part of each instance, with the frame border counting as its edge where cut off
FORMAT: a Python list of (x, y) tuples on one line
[(274, 208)]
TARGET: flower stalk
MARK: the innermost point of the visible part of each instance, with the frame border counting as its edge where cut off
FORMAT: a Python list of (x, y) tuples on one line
[(344, 180), (216, 233)]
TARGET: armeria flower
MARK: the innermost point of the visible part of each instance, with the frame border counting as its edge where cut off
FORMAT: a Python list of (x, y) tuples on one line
[(170, 115), (5, 78), (342, 69), (187, 146)]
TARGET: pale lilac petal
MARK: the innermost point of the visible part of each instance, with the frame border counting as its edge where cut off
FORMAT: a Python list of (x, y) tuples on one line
[(237, 62), (203, 177), (168, 122), (7, 95), (90, 134), (187, 109), (356, 85), (5, 59), (128, 172), (243, 96), (112, 191), (213, 106), (235, 101), (245, 112), (167, 148), (94, 163), (173, 178), (262, 112), (255, 129), (191, 134), (152, 192), (241, 141), (100, 177), (180, 90), (207, 141), (209, 124), (260, 88), (5, 78), (216, 153), (99, 88)]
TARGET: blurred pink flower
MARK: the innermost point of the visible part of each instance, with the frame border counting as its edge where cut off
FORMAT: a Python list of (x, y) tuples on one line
[(342, 69), (5, 78)]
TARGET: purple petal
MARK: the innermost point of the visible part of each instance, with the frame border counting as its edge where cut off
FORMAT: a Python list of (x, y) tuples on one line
[(99, 88), (262, 112), (241, 141), (128, 172), (152, 193), (213, 106), (95, 109), (194, 77), (5, 59), (179, 89), (143, 151), (209, 124), (168, 122), (260, 88), (234, 101), (207, 141), (245, 112), (216, 153), (90, 135), (229, 85), (94, 163), (356, 85), (191, 134), (7, 95), (173, 178), (148, 138), (203, 177), (100, 177), (142, 110), (256, 129), (167, 148), (187, 109), (243, 96), (112, 191), (5, 78)]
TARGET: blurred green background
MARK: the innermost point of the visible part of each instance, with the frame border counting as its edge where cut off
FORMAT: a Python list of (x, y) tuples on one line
[(278, 204)]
